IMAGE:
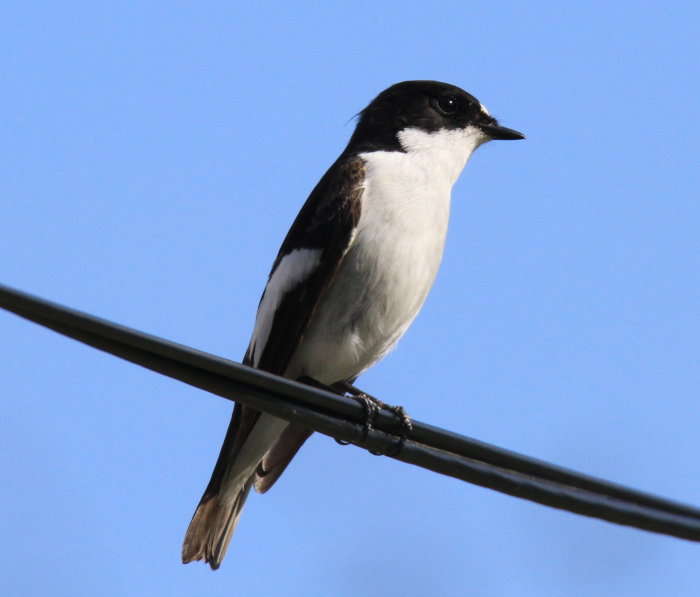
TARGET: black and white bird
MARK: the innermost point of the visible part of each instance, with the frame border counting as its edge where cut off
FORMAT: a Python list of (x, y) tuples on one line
[(350, 277)]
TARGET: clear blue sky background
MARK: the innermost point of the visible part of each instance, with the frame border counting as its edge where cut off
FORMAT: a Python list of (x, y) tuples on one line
[(153, 156)]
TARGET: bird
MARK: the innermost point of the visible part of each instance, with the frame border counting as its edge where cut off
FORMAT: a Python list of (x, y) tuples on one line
[(351, 275)]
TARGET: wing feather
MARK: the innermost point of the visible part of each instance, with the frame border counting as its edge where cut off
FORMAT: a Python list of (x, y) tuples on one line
[(308, 260), (324, 230)]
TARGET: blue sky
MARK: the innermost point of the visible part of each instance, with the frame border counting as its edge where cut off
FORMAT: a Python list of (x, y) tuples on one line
[(153, 157)]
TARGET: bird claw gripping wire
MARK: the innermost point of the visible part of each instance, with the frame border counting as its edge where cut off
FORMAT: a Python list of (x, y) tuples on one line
[(405, 427), (370, 404), (373, 407)]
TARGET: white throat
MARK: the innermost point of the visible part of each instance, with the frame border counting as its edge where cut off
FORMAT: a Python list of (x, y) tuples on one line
[(393, 258), (445, 152)]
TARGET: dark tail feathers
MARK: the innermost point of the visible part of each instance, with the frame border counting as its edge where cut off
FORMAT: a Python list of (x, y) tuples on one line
[(212, 525)]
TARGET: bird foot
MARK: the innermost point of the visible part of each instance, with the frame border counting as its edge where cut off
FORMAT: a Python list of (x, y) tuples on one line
[(372, 407)]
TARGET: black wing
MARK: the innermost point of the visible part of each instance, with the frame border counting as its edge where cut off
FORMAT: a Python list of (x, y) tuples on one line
[(326, 224)]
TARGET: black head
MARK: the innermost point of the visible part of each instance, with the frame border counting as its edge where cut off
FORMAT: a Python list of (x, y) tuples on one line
[(426, 105)]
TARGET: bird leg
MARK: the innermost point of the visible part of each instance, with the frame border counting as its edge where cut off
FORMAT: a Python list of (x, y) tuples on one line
[(372, 407)]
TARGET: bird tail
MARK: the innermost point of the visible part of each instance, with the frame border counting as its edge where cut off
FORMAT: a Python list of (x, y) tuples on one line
[(220, 508), (212, 525), (249, 437)]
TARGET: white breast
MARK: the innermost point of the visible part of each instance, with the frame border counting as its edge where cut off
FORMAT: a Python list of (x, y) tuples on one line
[(394, 257)]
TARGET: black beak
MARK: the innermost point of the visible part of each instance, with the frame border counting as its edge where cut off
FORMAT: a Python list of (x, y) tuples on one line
[(496, 131)]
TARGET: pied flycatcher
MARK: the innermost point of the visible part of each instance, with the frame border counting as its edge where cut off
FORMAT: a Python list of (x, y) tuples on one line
[(352, 273)]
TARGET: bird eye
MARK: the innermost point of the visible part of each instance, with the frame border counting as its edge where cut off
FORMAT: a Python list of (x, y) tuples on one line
[(447, 104)]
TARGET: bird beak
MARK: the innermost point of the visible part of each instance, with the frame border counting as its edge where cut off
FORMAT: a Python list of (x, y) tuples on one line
[(496, 131)]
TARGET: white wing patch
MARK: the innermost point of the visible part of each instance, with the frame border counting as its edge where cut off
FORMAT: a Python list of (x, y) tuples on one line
[(291, 271)]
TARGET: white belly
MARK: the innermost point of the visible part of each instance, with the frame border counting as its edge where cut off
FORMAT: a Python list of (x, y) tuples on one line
[(386, 275)]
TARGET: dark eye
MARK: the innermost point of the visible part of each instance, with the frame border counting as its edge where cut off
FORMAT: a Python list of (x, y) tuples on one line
[(447, 104)]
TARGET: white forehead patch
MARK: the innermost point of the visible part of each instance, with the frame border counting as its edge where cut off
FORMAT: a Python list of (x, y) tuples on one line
[(484, 110)]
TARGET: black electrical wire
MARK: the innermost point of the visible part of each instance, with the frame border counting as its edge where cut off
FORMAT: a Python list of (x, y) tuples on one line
[(343, 418)]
